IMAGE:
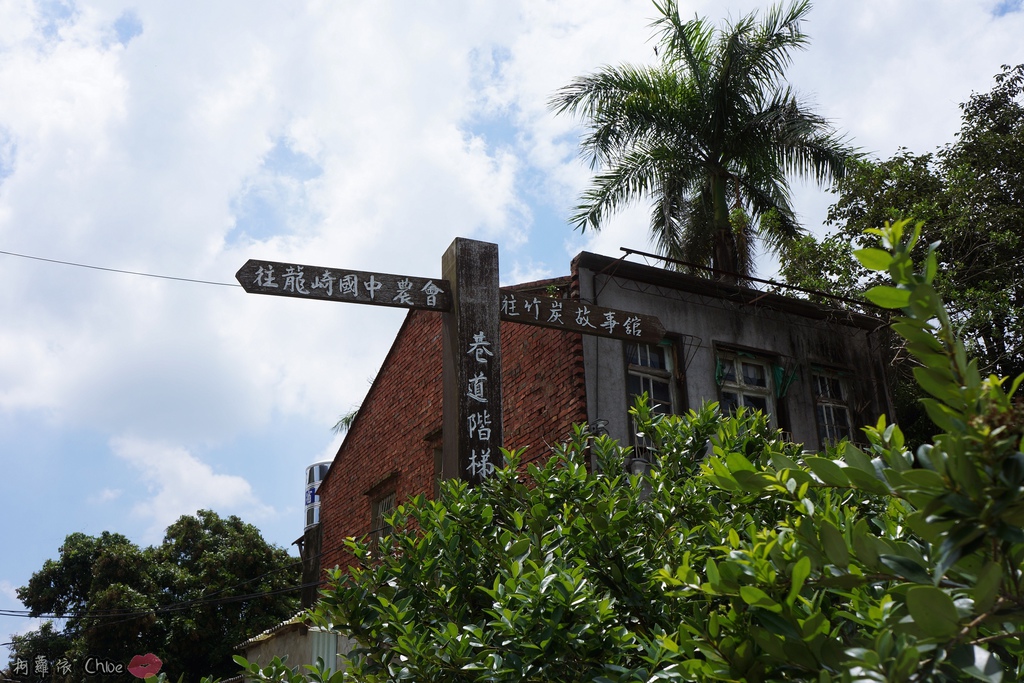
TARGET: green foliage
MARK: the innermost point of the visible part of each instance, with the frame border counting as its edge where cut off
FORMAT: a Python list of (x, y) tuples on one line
[(709, 134), (739, 557), (182, 600)]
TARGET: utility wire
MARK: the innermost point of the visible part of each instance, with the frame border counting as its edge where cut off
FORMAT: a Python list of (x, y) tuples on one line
[(118, 270)]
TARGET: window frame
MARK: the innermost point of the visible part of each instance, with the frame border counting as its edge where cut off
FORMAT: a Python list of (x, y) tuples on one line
[(827, 403), (648, 374), (741, 388), (380, 507)]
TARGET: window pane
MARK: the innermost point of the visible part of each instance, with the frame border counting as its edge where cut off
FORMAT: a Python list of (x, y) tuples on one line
[(729, 402), (728, 369), (633, 354), (646, 356), (754, 375), (662, 397), (634, 387), (756, 402)]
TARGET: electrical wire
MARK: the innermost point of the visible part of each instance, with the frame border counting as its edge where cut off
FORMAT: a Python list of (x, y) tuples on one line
[(118, 270)]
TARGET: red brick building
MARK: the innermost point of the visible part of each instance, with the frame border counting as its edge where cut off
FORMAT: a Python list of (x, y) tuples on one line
[(818, 372), (393, 449)]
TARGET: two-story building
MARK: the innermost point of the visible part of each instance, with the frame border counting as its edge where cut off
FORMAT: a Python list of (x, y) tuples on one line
[(818, 372)]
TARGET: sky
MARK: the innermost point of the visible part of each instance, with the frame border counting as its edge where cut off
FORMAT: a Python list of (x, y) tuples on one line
[(181, 139)]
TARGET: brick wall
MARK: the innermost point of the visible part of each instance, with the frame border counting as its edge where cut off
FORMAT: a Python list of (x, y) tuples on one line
[(391, 444)]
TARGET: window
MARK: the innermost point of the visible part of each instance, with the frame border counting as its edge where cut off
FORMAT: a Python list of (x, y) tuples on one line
[(380, 508), (832, 409), (650, 368), (312, 515), (744, 380)]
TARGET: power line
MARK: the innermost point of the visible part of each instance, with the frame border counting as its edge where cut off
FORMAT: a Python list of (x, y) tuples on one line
[(118, 270)]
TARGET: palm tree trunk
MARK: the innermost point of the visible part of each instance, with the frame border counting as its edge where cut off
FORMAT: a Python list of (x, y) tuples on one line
[(724, 241)]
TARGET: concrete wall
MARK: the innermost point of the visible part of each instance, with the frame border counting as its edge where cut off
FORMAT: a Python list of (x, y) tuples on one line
[(301, 644), (702, 316), (290, 641)]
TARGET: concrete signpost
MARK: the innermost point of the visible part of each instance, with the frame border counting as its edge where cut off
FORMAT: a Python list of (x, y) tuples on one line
[(472, 303)]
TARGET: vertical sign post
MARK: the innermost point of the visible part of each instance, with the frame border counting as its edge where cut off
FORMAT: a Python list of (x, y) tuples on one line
[(472, 362)]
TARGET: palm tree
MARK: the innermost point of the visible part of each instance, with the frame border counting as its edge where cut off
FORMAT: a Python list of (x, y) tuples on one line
[(709, 134)]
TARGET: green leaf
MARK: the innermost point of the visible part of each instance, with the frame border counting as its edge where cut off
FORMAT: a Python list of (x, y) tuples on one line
[(834, 545), (905, 567), (873, 259), (940, 387), (867, 482), (915, 334), (943, 416), (863, 544), (933, 611), (755, 597), (978, 662), (737, 463), (855, 457), (925, 480), (827, 470), (986, 587), (801, 570), (888, 297)]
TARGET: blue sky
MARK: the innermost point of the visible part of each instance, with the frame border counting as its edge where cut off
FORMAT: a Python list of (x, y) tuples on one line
[(183, 140)]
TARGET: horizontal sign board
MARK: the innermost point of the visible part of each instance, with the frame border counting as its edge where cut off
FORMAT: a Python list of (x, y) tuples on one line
[(350, 286), (578, 316)]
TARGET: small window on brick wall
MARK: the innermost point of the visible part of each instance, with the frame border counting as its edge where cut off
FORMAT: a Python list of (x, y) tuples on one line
[(380, 509)]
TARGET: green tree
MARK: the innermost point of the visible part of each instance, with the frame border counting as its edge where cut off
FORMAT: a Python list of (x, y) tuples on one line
[(970, 195), (739, 557), (212, 583), (709, 134)]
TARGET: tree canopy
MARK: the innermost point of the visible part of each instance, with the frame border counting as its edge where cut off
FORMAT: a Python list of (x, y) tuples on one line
[(212, 583), (709, 134), (970, 195), (738, 557)]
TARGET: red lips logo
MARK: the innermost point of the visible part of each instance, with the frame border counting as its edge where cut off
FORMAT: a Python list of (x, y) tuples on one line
[(145, 666)]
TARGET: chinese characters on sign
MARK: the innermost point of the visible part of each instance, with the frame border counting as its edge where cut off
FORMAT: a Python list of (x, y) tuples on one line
[(478, 424), (579, 316), (335, 284)]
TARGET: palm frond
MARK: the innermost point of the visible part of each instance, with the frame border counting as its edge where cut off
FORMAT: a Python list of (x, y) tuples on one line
[(715, 113)]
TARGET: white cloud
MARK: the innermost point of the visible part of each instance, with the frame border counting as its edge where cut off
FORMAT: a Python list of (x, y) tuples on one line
[(175, 483), (105, 496), (9, 591)]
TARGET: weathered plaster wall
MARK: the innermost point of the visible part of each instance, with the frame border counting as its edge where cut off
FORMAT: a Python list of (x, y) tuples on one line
[(795, 335)]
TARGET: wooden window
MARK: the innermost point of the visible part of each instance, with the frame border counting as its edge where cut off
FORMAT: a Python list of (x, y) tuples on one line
[(650, 369), (833, 413), (746, 380), (380, 509)]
